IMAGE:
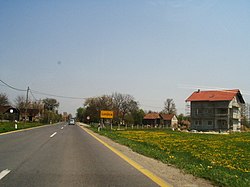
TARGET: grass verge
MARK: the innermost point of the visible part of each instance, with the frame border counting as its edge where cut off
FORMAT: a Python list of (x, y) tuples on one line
[(222, 159), (10, 126)]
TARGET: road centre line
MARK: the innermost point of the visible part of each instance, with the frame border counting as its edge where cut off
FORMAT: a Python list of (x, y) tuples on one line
[(53, 134), (137, 166), (4, 173), (62, 128)]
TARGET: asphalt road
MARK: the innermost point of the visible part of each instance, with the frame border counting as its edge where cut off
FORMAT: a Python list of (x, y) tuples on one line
[(62, 155)]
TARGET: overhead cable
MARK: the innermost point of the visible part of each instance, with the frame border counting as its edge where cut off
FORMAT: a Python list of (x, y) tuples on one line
[(17, 89), (40, 93), (33, 95), (59, 96)]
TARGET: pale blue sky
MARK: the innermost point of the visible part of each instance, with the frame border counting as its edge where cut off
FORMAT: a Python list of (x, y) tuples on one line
[(152, 50)]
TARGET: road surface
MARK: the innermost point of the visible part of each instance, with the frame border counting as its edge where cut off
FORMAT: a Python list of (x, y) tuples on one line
[(63, 155)]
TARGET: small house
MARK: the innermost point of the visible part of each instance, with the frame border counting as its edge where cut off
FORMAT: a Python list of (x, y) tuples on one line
[(155, 119), (9, 113), (152, 119), (169, 120)]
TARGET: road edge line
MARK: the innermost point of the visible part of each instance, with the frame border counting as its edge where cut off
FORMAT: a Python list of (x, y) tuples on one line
[(137, 166)]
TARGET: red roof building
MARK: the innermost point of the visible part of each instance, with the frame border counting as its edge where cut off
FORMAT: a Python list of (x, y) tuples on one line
[(222, 95), (157, 119), (216, 109)]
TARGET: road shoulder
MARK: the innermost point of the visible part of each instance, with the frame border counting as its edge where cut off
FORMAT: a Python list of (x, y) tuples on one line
[(170, 174)]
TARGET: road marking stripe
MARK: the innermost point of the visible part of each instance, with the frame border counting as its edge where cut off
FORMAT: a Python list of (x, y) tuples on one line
[(53, 134), (4, 173), (62, 128), (146, 172)]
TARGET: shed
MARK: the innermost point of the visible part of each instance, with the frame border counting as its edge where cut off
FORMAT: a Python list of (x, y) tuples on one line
[(169, 120), (152, 119)]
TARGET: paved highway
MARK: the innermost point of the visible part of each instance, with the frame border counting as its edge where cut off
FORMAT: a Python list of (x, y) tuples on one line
[(62, 155)]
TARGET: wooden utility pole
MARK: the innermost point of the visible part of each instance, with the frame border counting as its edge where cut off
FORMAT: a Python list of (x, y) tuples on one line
[(26, 104)]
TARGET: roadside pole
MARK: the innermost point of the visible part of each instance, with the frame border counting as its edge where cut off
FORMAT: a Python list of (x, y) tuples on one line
[(26, 104)]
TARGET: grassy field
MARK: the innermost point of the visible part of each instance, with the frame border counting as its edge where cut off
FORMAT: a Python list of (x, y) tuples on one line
[(222, 159), (10, 126)]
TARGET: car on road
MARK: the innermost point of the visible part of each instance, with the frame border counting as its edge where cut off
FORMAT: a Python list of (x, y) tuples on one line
[(72, 121)]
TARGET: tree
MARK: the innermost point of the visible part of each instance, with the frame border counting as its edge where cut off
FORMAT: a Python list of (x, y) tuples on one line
[(123, 104), (50, 104), (245, 112), (50, 113), (20, 102), (4, 100), (81, 114), (138, 116), (94, 105), (169, 107)]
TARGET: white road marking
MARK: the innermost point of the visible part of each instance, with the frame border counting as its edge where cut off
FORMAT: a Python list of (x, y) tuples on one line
[(53, 134), (4, 173), (62, 128)]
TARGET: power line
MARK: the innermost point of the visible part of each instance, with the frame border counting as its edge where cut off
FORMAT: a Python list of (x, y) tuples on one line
[(17, 89), (33, 95), (41, 93), (59, 96)]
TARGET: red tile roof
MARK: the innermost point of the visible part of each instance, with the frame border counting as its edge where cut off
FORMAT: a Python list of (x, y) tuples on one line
[(167, 116), (152, 115), (215, 95)]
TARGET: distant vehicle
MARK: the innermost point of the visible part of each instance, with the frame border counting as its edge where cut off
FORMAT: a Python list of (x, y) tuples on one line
[(72, 121)]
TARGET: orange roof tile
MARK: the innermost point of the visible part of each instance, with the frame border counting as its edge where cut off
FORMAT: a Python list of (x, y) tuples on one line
[(167, 116), (152, 115), (215, 95)]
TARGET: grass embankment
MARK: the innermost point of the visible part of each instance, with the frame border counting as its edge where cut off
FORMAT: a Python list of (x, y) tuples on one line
[(222, 159), (10, 126)]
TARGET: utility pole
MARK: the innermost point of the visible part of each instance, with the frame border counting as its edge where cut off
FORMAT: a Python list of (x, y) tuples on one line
[(26, 104)]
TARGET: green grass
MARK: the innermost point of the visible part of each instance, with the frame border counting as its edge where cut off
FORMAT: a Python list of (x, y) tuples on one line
[(10, 126), (222, 159)]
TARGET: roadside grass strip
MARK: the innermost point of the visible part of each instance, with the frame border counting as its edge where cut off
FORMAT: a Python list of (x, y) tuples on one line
[(8, 128), (146, 172), (222, 159)]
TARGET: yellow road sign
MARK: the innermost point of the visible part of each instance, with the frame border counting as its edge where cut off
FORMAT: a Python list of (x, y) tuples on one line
[(107, 114)]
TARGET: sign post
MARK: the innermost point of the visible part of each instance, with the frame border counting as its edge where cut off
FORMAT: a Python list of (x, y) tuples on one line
[(107, 114)]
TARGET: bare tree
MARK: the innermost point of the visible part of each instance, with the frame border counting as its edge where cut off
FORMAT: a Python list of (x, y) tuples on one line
[(169, 107), (4, 100), (123, 104), (20, 102)]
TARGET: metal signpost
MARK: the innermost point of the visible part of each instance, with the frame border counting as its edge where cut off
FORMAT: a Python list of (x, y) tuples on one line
[(107, 114)]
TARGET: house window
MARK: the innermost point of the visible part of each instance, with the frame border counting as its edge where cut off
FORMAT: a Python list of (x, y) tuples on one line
[(209, 111), (210, 123), (197, 122), (198, 111)]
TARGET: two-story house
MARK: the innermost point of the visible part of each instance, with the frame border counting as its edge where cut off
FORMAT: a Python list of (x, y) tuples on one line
[(216, 110)]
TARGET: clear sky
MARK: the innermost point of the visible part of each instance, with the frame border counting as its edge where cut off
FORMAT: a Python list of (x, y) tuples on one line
[(150, 49)]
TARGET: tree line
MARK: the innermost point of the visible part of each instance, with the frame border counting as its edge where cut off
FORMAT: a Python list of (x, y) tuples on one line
[(126, 109), (48, 107)]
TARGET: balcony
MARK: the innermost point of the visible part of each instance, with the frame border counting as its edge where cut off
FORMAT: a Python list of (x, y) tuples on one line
[(221, 115)]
